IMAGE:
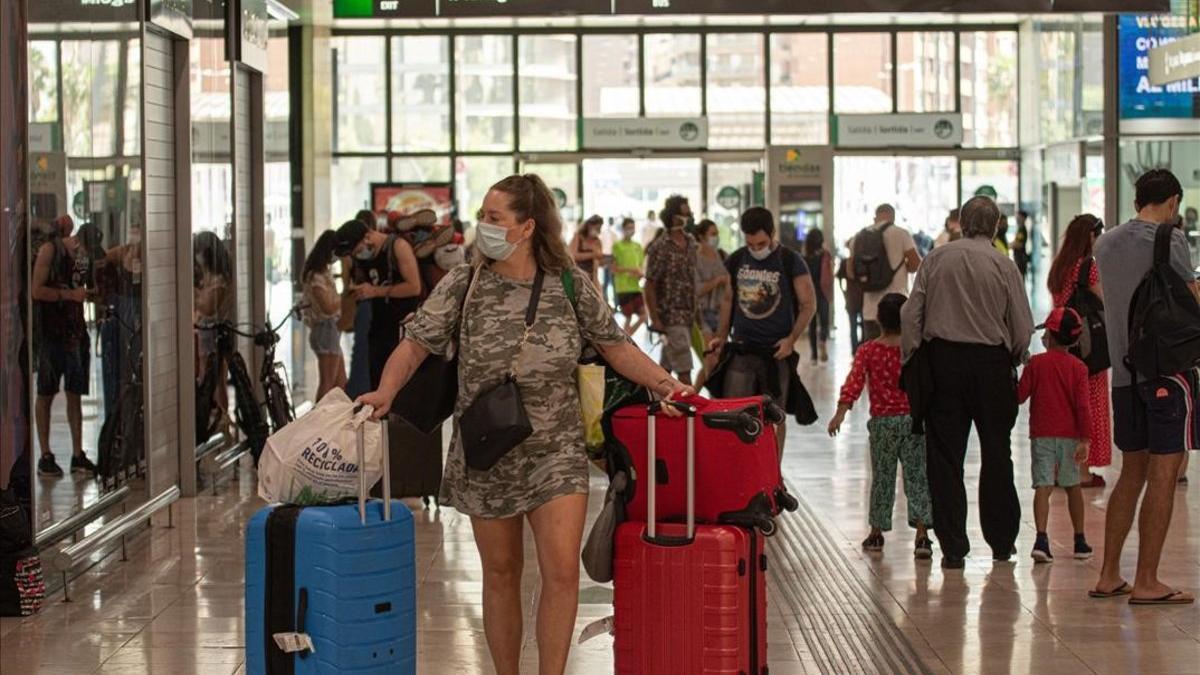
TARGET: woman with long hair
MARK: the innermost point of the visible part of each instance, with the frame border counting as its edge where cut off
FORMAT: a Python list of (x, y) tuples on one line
[(820, 266), (1064, 278), (321, 311), (212, 276), (544, 479), (586, 248), (712, 283)]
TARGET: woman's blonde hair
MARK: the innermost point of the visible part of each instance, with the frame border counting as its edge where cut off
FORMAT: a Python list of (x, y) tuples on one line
[(529, 197)]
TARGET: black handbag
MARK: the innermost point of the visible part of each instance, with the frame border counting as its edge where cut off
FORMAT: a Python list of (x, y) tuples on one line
[(429, 397), (496, 421)]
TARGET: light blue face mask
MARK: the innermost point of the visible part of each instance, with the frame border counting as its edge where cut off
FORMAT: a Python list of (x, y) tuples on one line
[(493, 242)]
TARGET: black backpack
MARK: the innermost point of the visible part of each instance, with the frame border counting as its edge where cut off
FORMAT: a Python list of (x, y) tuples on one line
[(1164, 318), (872, 268), (1092, 348)]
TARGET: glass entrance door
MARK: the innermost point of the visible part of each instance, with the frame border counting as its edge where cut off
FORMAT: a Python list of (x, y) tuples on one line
[(614, 188), (922, 189)]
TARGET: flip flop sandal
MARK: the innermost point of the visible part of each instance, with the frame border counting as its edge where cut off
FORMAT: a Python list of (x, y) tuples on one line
[(1123, 589), (1171, 598)]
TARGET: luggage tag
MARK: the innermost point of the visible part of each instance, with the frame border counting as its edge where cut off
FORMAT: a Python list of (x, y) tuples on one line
[(290, 643), (596, 628)]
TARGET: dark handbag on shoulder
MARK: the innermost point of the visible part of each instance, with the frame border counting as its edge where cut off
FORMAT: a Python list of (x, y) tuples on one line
[(429, 397), (496, 421), (1092, 347)]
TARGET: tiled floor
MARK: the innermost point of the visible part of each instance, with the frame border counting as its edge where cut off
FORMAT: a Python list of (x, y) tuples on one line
[(176, 606)]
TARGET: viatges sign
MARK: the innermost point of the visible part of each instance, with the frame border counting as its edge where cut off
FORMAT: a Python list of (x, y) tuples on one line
[(904, 130), (652, 133)]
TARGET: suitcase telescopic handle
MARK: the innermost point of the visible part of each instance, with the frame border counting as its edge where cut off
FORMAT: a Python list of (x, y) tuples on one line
[(652, 463), (363, 488)]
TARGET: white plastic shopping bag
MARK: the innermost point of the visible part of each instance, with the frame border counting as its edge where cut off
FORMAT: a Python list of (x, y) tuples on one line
[(314, 460)]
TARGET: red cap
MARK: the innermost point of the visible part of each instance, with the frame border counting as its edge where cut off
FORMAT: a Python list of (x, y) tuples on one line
[(1064, 324)]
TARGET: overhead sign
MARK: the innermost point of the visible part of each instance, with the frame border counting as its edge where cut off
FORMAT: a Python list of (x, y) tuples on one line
[(172, 15), (729, 197), (904, 130), (383, 9), (1138, 35), (252, 34), (656, 133), (1175, 61)]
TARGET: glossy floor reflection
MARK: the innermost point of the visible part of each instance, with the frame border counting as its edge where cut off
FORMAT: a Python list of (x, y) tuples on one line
[(176, 606)]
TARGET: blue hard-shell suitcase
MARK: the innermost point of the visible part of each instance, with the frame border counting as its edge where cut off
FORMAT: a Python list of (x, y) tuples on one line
[(344, 575)]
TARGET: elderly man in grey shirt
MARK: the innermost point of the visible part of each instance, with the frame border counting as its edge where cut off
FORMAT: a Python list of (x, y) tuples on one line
[(969, 317)]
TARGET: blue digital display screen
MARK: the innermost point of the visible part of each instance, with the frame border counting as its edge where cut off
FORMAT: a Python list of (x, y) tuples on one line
[(1138, 34)]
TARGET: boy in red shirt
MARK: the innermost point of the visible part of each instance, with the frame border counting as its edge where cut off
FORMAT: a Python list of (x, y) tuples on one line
[(877, 366), (1059, 419)]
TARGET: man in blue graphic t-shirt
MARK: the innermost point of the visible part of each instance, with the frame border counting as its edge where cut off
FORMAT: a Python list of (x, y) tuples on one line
[(766, 311)]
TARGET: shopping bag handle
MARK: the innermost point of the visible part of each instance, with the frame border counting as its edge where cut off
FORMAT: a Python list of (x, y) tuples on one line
[(363, 488)]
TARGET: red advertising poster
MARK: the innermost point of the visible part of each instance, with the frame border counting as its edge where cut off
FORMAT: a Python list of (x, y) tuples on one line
[(408, 198)]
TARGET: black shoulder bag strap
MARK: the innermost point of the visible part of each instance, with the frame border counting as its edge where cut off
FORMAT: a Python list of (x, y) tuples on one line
[(1083, 282), (1162, 244)]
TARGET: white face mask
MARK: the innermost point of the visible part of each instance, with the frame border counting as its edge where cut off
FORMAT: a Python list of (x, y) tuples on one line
[(760, 253), (493, 242), (714, 242), (365, 254)]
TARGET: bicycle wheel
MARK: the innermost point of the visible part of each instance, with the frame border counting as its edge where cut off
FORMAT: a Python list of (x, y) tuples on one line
[(206, 390), (277, 403), (247, 411)]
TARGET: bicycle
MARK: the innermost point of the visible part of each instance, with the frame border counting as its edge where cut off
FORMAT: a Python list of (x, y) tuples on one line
[(122, 442), (248, 411)]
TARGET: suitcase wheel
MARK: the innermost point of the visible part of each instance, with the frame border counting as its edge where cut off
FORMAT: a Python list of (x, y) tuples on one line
[(785, 501), (767, 527), (773, 413)]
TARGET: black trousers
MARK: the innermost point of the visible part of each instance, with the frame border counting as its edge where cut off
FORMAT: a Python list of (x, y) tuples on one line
[(818, 328), (972, 384)]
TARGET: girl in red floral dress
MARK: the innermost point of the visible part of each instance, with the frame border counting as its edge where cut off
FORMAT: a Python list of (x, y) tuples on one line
[(1064, 276)]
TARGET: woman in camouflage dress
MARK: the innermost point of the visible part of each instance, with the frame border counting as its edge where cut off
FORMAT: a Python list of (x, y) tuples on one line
[(544, 479)]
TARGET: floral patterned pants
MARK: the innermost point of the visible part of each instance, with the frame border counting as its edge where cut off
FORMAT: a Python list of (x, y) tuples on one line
[(892, 441)]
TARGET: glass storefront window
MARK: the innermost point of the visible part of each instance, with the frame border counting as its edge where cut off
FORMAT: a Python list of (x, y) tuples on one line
[(925, 72), (610, 76), (472, 178), (988, 88), (359, 117), (212, 167), (1179, 155), (862, 73), (43, 75), (131, 99), (672, 74), (799, 88), (1056, 90), (350, 181), (735, 93), (420, 93), (547, 73), (484, 92), (89, 97), (421, 169)]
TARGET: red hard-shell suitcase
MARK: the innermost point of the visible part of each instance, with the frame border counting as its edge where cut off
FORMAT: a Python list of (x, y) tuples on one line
[(737, 476), (688, 599)]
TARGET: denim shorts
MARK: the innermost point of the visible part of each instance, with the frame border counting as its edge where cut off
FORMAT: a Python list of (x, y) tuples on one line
[(325, 338)]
